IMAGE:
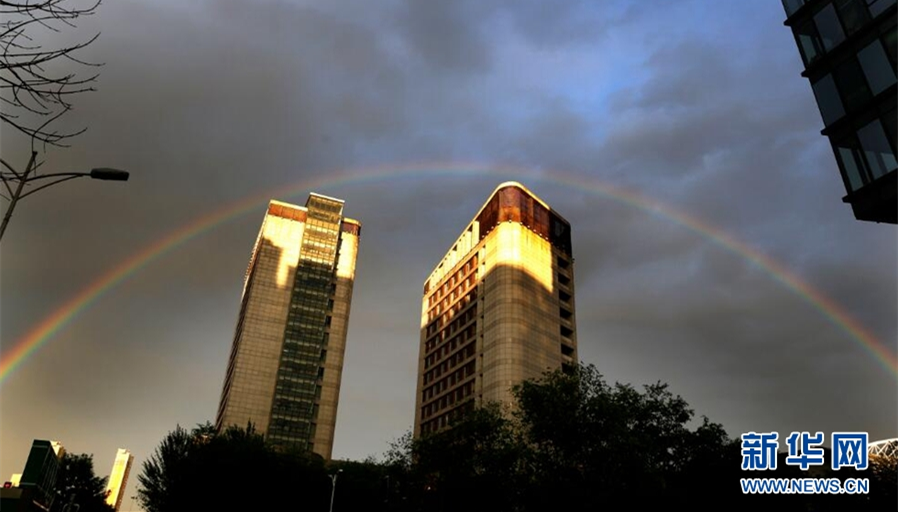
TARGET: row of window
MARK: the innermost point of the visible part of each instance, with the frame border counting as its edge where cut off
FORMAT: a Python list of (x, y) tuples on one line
[(469, 315), (447, 322), (289, 430), (297, 414), (447, 418), (439, 325), (869, 152), (452, 288), (830, 26), (854, 82), (451, 379), (450, 363), (448, 401), (469, 266), (433, 356)]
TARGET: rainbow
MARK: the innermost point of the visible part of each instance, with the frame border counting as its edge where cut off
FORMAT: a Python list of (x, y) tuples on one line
[(64, 315)]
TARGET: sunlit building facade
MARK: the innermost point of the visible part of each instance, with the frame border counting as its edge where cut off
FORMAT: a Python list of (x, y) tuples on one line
[(286, 360), (849, 52), (497, 310), (118, 478)]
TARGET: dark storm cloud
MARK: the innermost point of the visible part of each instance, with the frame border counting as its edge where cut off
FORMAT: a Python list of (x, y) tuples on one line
[(449, 36)]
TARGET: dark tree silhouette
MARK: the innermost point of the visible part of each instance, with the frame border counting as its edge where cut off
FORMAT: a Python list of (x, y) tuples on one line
[(569, 441), (574, 441), (232, 470), (76, 484)]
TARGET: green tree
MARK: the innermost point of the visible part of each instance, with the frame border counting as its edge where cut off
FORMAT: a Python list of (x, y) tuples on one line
[(76, 484)]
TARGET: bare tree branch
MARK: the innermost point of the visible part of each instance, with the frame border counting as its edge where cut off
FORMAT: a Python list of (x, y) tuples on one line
[(31, 85)]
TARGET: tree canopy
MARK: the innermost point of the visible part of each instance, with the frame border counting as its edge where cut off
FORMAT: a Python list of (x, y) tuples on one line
[(76, 484), (234, 470), (567, 441)]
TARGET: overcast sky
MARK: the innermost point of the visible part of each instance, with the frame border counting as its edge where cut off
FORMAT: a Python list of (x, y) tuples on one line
[(698, 106)]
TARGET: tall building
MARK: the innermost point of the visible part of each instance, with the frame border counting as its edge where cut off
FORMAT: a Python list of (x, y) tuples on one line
[(118, 478), (497, 310), (287, 356), (41, 469), (849, 52)]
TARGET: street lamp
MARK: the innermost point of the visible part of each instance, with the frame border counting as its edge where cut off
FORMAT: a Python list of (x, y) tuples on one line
[(100, 173), (334, 487)]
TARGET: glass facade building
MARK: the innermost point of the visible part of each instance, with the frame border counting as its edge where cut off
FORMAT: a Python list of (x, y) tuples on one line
[(497, 310), (41, 470), (849, 51), (286, 361)]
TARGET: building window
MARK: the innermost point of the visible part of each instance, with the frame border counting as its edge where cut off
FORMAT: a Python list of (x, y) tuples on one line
[(877, 7), (828, 100), (876, 66), (890, 41), (850, 81), (809, 42), (890, 123), (853, 14), (879, 153), (792, 6), (848, 153), (829, 27)]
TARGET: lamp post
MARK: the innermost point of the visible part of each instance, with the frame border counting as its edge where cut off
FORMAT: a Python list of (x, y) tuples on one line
[(101, 173), (334, 487)]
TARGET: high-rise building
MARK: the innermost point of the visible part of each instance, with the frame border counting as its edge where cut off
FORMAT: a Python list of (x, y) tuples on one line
[(497, 310), (118, 478), (41, 469), (287, 356), (849, 51)]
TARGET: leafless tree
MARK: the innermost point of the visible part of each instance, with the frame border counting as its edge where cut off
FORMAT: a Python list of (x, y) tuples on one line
[(35, 87)]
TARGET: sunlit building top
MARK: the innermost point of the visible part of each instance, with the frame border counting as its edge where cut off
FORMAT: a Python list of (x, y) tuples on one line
[(118, 478), (497, 309)]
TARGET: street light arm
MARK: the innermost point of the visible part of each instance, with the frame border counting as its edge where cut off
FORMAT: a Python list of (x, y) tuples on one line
[(72, 177), (58, 175), (100, 173)]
